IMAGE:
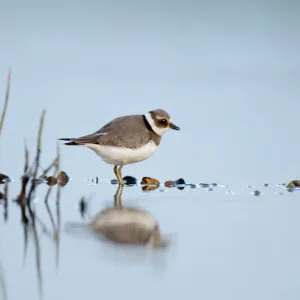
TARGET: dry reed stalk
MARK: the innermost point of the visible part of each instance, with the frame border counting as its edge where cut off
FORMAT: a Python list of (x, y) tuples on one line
[(37, 159), (5, 101)]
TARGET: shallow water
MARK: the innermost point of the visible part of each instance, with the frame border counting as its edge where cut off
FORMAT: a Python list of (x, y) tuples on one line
[(246, 246)]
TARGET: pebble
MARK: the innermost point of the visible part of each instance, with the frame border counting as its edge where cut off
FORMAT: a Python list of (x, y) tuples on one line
[(293, 183), (150, 184), (192, 186), (129, 180), (179, 182), (204, 185), (62, 178), (4, 179), (256, 193), (51, 181), (170, 183)]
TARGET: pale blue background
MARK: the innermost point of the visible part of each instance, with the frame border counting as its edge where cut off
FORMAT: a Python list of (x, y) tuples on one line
[(228, 73)]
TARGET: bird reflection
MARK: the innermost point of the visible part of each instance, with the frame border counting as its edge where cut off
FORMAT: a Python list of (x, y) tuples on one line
[(127, 225)]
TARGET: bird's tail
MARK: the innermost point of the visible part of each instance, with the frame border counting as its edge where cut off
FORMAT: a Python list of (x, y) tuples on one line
[(70, 140)]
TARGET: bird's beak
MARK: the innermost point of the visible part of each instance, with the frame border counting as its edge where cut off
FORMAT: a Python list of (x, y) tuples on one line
[(173, 126)]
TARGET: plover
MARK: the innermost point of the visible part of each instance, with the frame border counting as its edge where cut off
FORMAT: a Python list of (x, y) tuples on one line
[(128, 139)]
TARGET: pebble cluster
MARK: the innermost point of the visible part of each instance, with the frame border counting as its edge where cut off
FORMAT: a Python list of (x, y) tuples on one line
[(150, 184), (61, 179)]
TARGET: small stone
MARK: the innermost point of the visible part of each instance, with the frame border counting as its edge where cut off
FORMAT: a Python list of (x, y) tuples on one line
[(51, 181), (256, 193), (293, 185), (192, 186), (114, 181), (151, 184), (4, 179), (204, 185), (169, 183), (210, 189), (296, 183), (290, 185), (179, 182), (129, 180), (62, 178), (214, 184), (266, 185)]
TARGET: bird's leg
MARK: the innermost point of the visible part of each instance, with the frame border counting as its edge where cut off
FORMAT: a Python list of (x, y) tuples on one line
[(116, 173), (119, 171)]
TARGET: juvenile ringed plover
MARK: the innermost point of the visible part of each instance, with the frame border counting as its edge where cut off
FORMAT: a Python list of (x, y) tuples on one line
[(128, 139)]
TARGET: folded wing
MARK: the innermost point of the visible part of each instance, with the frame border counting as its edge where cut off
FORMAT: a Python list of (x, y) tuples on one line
[(128, 131)]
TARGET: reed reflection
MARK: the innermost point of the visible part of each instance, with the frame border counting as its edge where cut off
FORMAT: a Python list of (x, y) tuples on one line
[(33, 226), (3, 289), (4, 200)]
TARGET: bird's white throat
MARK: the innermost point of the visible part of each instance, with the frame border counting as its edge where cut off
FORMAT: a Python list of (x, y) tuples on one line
[(156, 129)]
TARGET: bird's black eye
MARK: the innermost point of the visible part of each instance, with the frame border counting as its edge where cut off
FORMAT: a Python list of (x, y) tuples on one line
[(163, 122)]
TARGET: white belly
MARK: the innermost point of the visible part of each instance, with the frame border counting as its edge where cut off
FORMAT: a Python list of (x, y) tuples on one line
[(118, 155)]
